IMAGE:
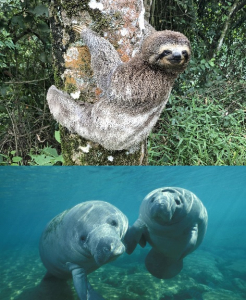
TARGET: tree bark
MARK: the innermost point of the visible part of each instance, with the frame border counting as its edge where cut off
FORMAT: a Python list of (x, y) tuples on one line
[(122, 23)]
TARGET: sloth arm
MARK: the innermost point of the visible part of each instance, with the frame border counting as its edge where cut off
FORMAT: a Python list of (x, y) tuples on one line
[(104, 57)]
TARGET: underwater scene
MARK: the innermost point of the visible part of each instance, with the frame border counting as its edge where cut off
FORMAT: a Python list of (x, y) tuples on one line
[(31, 196)]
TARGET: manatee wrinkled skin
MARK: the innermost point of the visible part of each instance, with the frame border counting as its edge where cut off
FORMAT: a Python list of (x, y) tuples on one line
[(173, 221), (80, 240)]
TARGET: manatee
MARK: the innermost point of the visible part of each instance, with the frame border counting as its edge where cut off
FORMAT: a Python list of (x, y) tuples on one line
[(173, 221), (80, 240)]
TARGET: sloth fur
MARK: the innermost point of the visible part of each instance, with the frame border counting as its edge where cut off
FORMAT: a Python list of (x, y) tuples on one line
[(134, 93)]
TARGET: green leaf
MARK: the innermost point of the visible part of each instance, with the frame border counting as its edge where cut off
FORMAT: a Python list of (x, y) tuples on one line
[(42, 160), (42, 57), (3, 90), (60, 158), (58, 136), (16, 159), (43, 27), (41, 10), (50, 151), (18, 20)]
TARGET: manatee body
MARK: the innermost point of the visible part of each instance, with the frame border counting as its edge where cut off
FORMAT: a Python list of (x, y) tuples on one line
[(173, 221), (80, 240)]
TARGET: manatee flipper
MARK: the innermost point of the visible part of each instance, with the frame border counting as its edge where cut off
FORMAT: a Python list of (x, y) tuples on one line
[(81, 284), (161, 266), (79, 280), (193, 236), (135, 235)]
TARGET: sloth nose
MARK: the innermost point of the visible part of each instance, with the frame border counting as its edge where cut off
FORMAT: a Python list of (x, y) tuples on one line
[(176, 55)]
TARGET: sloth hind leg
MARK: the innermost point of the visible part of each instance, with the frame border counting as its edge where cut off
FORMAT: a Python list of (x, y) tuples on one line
[(68, 112), (104, 57)]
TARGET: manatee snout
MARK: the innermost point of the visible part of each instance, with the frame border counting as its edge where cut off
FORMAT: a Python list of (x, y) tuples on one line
[(162, 207), (107, 250)]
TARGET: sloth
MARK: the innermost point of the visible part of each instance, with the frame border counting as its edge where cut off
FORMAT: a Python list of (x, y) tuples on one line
[(133, 93)]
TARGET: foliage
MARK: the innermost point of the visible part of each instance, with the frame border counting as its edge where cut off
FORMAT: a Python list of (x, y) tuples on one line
[(10, 159), (25, 74), (47, 156), (205, 127)]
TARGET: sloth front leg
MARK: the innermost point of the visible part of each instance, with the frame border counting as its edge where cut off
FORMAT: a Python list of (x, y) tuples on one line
[(104, 57)]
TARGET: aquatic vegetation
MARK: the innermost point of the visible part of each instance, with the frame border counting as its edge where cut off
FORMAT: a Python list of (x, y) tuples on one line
[(205, 277)]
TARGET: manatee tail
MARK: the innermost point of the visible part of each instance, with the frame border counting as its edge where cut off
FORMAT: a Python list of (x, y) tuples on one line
[(161, 266)]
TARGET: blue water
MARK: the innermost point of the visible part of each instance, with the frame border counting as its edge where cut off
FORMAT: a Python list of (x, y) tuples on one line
[(31, 196)]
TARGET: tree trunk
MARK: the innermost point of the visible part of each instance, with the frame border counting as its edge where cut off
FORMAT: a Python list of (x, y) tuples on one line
[(122, 23)]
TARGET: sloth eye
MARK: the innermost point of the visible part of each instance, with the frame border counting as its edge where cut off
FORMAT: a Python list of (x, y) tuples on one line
[(164, 53), (185, 53)]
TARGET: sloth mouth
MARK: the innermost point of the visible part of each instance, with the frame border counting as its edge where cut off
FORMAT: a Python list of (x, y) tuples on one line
[(175, 60)]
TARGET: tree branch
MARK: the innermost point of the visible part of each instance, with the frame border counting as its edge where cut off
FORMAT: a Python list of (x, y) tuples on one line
[(21, 82), (226, 26)]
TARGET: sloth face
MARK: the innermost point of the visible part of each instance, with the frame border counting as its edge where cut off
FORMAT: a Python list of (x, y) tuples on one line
[(167, 50), (172, 55)]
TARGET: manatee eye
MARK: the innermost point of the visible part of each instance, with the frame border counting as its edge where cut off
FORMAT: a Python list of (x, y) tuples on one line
[(178, 202), (114, 223), (83, 238)]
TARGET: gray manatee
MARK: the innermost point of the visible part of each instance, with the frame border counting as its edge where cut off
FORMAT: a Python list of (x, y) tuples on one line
[(80, 240), (173, 221)]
